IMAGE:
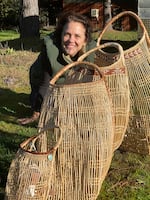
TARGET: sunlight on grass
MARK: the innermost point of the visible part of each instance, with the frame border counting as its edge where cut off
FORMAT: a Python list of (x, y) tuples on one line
[(12, 128), (128, 178), (8, 35), (120, 35), (117, 35)]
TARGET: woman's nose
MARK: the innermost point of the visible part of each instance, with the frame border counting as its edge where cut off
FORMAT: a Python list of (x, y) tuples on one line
[(71, 38)]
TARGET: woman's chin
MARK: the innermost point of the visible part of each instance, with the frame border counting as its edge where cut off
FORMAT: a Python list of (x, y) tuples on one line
[(70, 52)]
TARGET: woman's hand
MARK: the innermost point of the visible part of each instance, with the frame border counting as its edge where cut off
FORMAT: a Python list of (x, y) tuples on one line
[(28, 120)]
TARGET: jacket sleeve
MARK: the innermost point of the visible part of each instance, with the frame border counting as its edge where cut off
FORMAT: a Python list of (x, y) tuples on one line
[(45, 61)]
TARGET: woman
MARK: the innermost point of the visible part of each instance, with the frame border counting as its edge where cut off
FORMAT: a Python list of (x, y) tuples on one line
[(71, 39)]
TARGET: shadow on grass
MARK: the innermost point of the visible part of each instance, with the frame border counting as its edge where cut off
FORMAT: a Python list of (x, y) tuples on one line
[(125, 44), (31, 44), (1, 195), (9, 144), (13, 104)]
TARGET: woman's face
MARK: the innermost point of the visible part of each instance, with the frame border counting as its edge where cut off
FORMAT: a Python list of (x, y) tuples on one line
[(73, 38)]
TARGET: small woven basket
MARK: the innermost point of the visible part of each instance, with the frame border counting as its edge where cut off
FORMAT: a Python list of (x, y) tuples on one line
[(31, 170), (113, 67), (83, 111), (137, 60)]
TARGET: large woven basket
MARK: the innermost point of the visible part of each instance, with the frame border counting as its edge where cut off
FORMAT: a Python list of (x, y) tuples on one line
[(137, 60), (83, 112), (112, 65), (31, 170), (146, 23)]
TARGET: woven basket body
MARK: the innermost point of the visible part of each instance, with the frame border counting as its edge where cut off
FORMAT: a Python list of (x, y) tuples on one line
[(83, 112), (137, 60), (31, 170), (146, 23), (113, 67)]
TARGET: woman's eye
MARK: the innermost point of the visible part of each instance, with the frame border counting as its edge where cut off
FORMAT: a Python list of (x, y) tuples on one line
[(77, 36), (66, 34)]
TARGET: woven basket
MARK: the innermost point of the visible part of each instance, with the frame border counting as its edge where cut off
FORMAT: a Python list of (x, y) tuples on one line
[(83, 112), (146, 23), (31, 170), (137, 60), (113, 67)]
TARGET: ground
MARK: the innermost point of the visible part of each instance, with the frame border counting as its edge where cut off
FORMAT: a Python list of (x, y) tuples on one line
[(17, 58)]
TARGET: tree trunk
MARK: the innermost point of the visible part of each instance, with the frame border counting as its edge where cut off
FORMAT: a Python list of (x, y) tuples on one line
[(29, 19), (107, 12)]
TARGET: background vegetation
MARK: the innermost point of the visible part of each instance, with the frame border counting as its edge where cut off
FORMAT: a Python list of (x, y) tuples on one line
[(128, 177)]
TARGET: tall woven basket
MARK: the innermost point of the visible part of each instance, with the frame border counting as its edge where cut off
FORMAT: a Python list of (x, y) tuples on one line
[(146, 23), (31, 170), (112, 65), (137, 60), (83, 111)]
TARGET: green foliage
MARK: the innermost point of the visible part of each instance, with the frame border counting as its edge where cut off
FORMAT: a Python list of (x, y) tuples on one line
[(9, 12)]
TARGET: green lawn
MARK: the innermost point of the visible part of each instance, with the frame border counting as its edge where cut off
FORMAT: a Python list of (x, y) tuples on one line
[(8, 35)]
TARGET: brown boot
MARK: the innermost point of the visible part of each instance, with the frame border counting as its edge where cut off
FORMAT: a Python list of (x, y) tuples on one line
[(29, 120)]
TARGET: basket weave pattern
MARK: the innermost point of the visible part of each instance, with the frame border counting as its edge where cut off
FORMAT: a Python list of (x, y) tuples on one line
[(137, 60), (31, 170), (146, 23), (83, 112), (113, 67)]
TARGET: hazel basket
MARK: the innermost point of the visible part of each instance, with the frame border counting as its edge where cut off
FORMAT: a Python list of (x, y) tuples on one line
[(137, 60), (112, 64), (83, 111), (31, 170)]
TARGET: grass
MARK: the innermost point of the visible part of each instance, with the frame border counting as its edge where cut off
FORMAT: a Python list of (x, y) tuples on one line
[(118, 35), (128, 177), (8, 34)]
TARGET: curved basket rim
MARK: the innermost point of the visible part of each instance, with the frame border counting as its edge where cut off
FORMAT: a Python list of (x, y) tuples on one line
[(53, 149), (135, 16), (67, 67), (108, 44)]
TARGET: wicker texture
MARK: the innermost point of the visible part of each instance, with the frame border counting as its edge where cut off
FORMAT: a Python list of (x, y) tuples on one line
[(146, 23), (83, 112), (137, 59), (113, 67), (31, 170)]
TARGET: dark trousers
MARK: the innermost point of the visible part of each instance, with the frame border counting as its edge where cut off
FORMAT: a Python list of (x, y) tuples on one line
[(38, 92)]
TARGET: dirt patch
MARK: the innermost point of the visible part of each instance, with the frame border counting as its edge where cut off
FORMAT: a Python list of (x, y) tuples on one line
[(18, 58), (14, 69)]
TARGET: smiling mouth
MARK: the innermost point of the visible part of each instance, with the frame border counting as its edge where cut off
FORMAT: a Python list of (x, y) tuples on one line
[(70, 46)]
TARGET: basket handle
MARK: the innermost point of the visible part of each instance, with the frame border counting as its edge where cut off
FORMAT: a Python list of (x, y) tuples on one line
[(69, 66), (135, 16), (108, 44), (34, 138)]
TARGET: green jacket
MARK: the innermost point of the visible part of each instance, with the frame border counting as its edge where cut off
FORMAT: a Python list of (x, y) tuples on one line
[(51, 59)]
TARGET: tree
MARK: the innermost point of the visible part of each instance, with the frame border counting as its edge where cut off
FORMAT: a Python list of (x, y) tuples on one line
[(9, 13), (107, 12), (29, 19)]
